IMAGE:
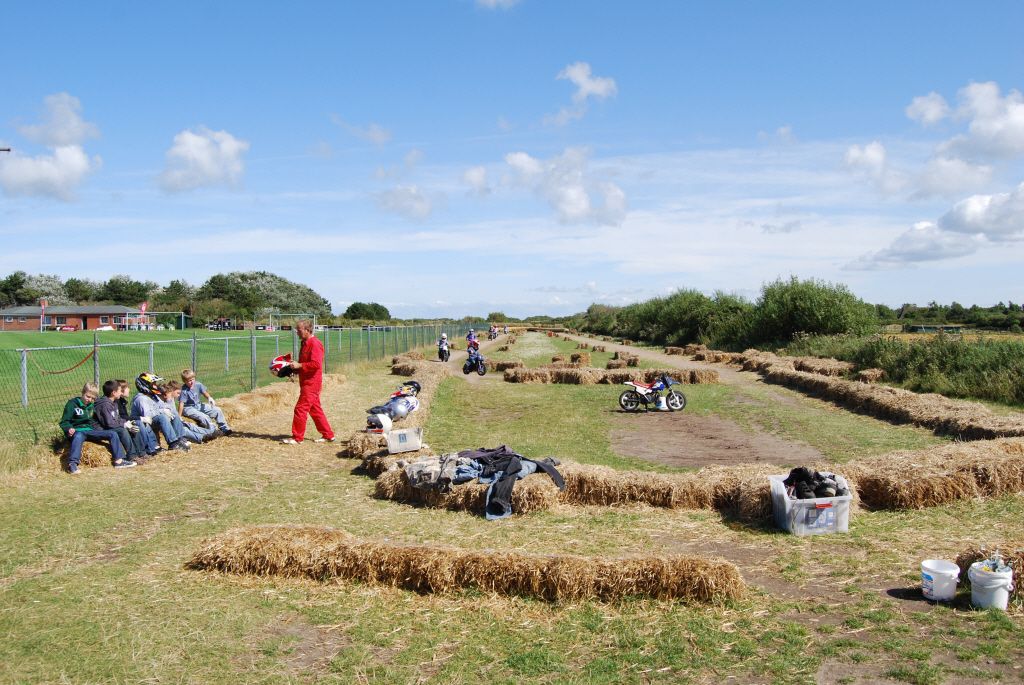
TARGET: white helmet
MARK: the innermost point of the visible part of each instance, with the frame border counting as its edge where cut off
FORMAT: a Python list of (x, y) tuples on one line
[(280, 362), (444, 336)]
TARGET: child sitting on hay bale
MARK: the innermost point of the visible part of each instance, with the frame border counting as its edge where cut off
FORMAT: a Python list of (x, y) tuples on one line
[(77, 424)]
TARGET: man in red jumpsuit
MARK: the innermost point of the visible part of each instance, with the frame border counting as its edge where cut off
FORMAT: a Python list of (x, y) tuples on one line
[(310, 368)]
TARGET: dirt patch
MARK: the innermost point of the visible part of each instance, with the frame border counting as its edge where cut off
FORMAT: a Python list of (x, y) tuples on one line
[(303, 647), (688, 440)]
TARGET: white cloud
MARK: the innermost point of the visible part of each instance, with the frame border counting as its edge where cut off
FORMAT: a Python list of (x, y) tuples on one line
[(60, 172), (497, 4), (950, 175), (372, 132), (996, 123), (203, 158), (409, 201), (409, 162), (55, 175), (587, 87), (998, 217), (787, 227), (928, 109), (925, 242), (62, 125), (871, 162), (476, 179), (564, 182), (783, 134)]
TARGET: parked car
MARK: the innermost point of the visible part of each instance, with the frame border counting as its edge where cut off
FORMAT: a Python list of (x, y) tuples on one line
[(67, 329), (105, 328)]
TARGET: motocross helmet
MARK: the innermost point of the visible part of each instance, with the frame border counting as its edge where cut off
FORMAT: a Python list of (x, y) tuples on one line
[(148, 383), (410, 388), (280, 362), (444, 336)]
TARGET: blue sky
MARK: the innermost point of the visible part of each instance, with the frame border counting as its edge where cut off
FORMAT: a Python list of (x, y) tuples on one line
[(464, 156)]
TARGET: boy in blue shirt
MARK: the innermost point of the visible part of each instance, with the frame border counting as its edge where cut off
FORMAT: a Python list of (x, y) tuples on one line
[(192, 406)]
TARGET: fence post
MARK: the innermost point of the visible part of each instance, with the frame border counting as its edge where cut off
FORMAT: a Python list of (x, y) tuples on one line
[(194, 351), (96, 358), (367, 345), (277, 345), (384, 343), (24, 378), (327, 351), (349, 346), (152, 367), (227, 355), (252, 360)]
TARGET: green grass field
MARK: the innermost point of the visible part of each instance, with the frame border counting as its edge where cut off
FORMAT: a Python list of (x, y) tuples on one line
[(94, 588)]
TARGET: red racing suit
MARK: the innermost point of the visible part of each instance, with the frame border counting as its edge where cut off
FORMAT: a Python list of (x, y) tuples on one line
[(310, 382)]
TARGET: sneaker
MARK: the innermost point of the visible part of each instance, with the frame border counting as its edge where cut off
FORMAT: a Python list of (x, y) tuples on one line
[(324, 440), (180, 445), (125, 464), (290, 441), (225, 431), (140, 459), (155, 452), (74, 470)]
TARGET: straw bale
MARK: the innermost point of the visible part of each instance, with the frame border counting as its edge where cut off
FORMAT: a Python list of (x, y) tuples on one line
[(583, 346), (527, 376), (615, 364), (870, 375), (1012, 552), (701, 376), (411, 355), (405, 369), (627, 342), (582, 358), (633, 361), (741, 492), (327, 554), (93, 455), (536, 492), (603, 486), (558, 358), (673, 350), (694, 348), (575, 376), (511, 340), (823, 366), (362, 444), (566, 338), (503, 348), (599, 348), (616, 376), (509, 364)]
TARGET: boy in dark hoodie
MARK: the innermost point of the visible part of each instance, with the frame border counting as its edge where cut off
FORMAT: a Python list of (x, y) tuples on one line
[(76, 422), (106, 416)]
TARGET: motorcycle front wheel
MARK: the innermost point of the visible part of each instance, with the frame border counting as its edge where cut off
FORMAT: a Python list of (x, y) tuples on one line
[(675, 400), (629, 400), (481, 368)]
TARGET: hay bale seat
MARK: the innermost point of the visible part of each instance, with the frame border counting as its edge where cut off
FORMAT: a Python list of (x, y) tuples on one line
[(581, 358), (527, 376), (870, 375), (536, 492), (93, 454), (1012, 553), (327, 554)]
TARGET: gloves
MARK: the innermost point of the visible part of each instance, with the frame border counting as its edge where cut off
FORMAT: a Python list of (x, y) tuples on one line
[(212, 401), (146, 420), (131, 427), (168, 412)]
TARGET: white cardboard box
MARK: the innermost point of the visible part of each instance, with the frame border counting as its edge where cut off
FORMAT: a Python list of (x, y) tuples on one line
[(404, 440)]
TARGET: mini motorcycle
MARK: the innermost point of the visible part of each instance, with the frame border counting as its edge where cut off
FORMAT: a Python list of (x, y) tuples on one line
[(443, 353), (475, 362), (648, 395), (492, 335)]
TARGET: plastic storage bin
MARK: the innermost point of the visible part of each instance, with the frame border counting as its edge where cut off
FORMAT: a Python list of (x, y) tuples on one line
[(810, 516), (404, 440)]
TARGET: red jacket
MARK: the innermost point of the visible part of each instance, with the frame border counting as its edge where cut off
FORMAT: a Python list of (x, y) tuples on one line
[(312, 359)]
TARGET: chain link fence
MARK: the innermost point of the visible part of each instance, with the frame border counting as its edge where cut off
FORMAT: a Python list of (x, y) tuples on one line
[(36, 382)]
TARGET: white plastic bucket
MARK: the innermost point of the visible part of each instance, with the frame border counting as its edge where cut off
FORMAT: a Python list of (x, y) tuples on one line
[(989, 589), (938, 579)]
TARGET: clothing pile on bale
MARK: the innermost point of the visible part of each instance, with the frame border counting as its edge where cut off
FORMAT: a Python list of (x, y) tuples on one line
[(498, 467), (805, 483), (401, 403)]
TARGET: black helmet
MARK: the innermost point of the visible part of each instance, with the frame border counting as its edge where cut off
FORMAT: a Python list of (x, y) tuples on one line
[(410, 388), (147, 383)]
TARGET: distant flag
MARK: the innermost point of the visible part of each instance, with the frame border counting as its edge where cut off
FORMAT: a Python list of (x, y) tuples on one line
[(142, 307)]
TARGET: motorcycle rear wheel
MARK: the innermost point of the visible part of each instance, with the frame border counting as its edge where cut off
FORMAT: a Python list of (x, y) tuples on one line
[(675, 400), (629, 400)]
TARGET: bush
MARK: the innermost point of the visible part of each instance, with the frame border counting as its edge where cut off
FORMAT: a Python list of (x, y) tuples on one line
[(812, 307)]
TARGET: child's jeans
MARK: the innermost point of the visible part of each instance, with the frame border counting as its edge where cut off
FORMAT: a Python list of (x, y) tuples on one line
[(75, 455)]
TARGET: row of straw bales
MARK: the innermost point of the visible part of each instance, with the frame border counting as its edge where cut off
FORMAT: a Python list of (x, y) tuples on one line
[(963, 419), (495, 365), (870, 375), (590, 376), (824, 366), (939, 475), (330, 554), (674, 350)]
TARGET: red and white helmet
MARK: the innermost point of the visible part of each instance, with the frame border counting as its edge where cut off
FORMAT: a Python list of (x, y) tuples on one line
[(281, 362)]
